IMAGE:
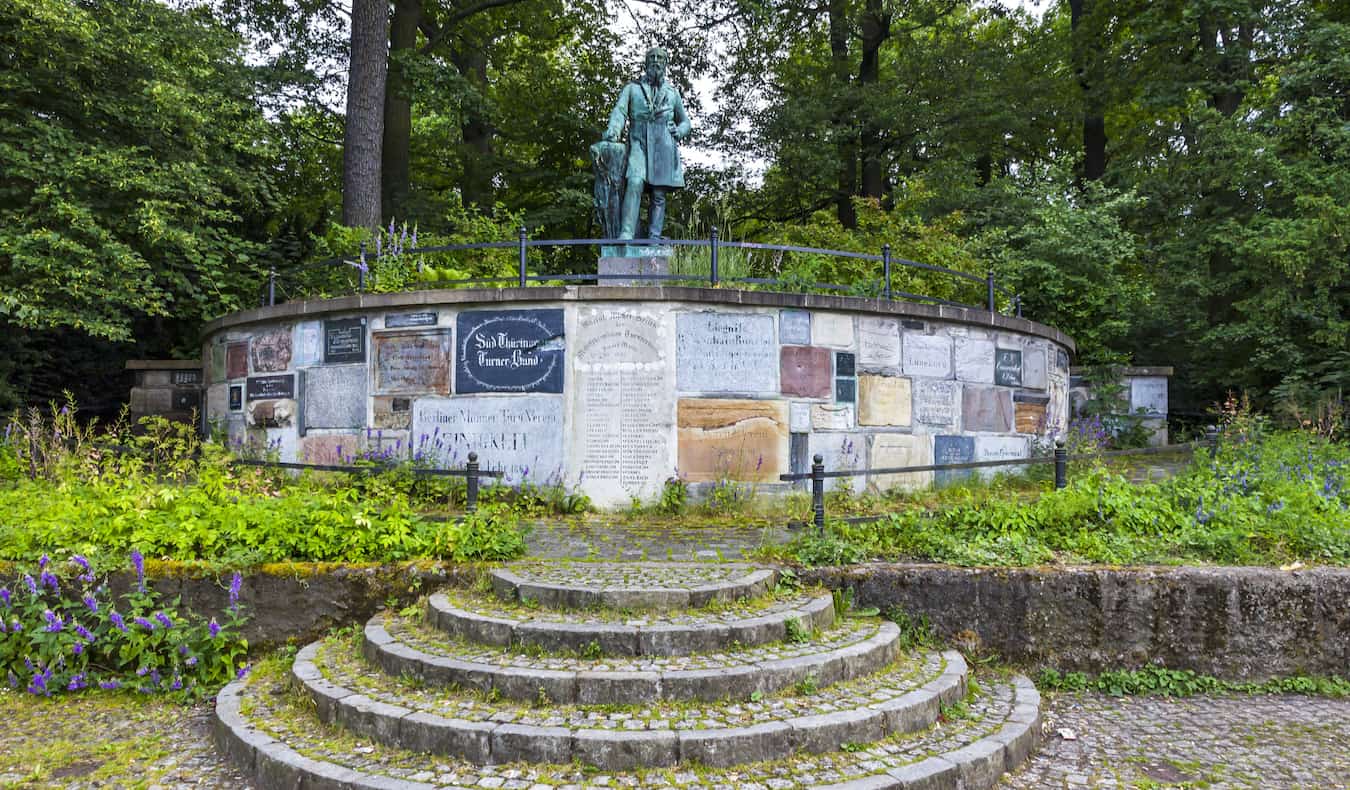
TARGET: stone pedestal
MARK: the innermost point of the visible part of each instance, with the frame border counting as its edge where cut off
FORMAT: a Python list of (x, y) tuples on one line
[(634, 260)]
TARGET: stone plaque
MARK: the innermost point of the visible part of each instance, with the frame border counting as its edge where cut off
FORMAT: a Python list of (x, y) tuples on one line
[(308, 344), (1001, 448), (277, 413), (521, 435), (271, 351), (337, 449), (794, 327), (937, 403), (831, 329), (217, 364), (975, 360), (805, 371), (623, 407), (844, 364), (841, 452), (831, 417), (878, 342), (744, 440), (236, 397), (1062, 360), (929, 356), (412, 362), (187, 378), (890, 450), (985, 409), (845, 390), (187, 400), (236, 360), (403, 320), (649, 268), (334, 397), (269, 387), (1033, 369), (1030, 417), (883, 400), (509, 351), (799, 418), (217, 396), (726, 352), (909, 323), (393, 412), (1149, 393), (344, 340), (952, 450), (1008, 367)]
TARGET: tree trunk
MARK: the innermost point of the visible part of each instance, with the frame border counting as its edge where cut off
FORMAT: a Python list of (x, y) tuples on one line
[(476, 129), (876, 28), (1085, 42), (845, 133), (396, 172), (364, 127)]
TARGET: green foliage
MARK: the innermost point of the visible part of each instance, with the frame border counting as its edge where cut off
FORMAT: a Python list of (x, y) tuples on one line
[(492, 532), (1184, 683), (63, 634), (915, 632), (674, 495)]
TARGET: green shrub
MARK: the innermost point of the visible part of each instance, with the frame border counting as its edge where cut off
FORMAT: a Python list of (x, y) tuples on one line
[(493, 532)]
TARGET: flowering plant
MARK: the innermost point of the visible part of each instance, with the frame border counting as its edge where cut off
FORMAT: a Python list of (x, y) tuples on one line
[(64, 631)]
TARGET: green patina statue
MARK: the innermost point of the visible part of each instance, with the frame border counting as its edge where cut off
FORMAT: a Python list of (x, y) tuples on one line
[(655, 117)]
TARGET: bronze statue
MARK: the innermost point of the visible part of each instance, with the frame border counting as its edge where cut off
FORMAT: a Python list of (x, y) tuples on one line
[(654, 114)]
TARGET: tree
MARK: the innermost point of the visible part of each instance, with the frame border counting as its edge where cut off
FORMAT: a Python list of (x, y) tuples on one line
[(363, 133)]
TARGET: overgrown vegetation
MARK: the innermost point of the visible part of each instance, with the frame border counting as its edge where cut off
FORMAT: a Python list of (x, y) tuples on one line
[(1185, 683)]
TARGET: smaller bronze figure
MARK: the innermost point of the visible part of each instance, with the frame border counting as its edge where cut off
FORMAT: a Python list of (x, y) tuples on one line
[(654, 115)]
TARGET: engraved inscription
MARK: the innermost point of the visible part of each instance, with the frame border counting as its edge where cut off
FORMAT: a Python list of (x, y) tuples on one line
[(726, 352)]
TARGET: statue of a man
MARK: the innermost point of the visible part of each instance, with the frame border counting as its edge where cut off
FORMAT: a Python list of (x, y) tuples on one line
[(654, 114)]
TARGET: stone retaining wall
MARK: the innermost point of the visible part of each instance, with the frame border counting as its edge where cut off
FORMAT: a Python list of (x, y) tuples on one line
[(1233, 623)]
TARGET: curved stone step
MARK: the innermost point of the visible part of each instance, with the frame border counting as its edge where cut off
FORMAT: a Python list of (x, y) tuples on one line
[(273, 737), (630, 585), (680, 633), (407, 648), (904, 697)]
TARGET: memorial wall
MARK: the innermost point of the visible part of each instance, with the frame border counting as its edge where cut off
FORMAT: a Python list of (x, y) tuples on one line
[(613, 395)]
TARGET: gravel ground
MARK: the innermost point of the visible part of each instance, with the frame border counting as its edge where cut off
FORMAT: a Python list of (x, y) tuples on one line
[(101, 740)]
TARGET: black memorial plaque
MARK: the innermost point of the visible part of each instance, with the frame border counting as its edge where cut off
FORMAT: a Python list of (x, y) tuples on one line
[(1008, 368), (844, 363), (509, 351), (402, 320), (236, 398), (271, 387), (187, 400), (845, 390), (344, 341), (187, 378)]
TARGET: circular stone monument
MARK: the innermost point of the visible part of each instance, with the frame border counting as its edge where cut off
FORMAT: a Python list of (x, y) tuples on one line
[(612, 391)]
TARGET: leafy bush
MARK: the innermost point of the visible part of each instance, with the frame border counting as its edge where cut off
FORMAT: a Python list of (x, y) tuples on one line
[(1184, 683), (493, 532), (59, 634)]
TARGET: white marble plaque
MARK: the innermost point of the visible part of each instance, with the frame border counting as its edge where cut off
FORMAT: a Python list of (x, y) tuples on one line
[(1033, 368), (521, 435), (891, 450), (308, 344), (927, 356), (831, 417), (1001, 448), (832, 329), (840, 451), (878, 342), (1149, 393), (334, 396), (726, 352), (623, 409), (937, 403), (975, 360), (799, 417), (794, 328)]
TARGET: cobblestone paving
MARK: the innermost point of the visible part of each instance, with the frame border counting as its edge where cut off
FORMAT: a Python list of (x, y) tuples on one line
[(283, 717), (341, 665), (630, 575), (416, 633), (617, 541), (1237, 741), (491, 606)]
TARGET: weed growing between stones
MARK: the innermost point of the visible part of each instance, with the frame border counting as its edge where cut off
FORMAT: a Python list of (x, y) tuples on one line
[(1185, 683)]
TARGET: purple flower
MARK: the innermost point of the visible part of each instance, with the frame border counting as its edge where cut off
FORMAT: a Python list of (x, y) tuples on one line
[(138, 562), (109, 685), (15, 627), (164, 619), (77, 648), (76, 683), (49, 580), (182, 650), (2, 626), (80, 561), (84, 633), (54, 621), (214, 628), (235, 584), (192, 661), (143, 623), (242, 673), (32, 585), (38, 685), (142, 672), (4, 596), (42, 562), (118, 623), (91, 602)]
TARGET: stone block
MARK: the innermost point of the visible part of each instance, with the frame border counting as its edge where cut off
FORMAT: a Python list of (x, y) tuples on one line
[(330, 448), (974, 360), (393, 411), (514, 743), (878, 343), (891, 450), (412, 362), (278, 413), (805, 371), (1001, 448), (910, 712), (986, 409), (884, 400), (937, 403), (307, 344), (1030, 417), (928, 356), (631, 265), (825, 732), (933, 773), (468, 740), (236, 360), (794, 327), (952, 450), (841, 451), (845, 390), (831, 417), (832, 329), (1033, 368), (271, 351), (799, 417), (216, 362), (1149, 393), (731, 746), (334, 396), (530, 685), (726, 352), (845, 364), (521, 435), (744, 440), (980, 763), (621, 750)]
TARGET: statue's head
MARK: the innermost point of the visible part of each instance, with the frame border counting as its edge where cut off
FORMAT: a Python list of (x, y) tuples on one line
[(655, 64)]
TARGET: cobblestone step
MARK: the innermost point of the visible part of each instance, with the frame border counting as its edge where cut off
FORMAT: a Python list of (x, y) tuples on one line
[(490, 621), (273, 737), (630, 585), (407, 647), (904, 697)]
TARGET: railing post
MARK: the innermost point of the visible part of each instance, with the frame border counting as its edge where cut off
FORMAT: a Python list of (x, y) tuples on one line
[(989, 281), (471, 489), (522, 255), (1212, 440), (1061, 465), (818, 492), (886, 267), (361, 271), (712, 256), (1017, 302), (271, 286)]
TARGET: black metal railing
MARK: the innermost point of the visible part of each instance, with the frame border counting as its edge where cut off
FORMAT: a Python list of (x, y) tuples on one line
[(1060, 458), (883, 286), (471, 473)]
